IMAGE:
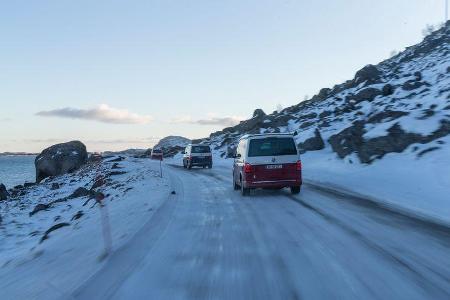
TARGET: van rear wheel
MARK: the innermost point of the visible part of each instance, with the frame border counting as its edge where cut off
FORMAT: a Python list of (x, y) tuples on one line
[(235, 185), (244, 191), (295, 190)]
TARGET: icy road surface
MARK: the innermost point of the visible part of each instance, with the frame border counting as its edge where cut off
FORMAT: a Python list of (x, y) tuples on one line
[(208, 242)]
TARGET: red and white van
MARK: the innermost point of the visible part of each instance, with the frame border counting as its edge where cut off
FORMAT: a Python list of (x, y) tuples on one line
[(267, 161)]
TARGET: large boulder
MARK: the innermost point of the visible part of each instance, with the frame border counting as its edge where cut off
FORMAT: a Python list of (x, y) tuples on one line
[(369, 74), (258, 113), (3, 192), (60, 159), (312, 144), (366, 94)]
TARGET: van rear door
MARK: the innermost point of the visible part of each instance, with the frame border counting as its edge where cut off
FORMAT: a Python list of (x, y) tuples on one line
[(273, 158)]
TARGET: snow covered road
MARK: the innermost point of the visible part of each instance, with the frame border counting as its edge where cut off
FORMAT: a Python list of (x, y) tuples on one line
[(209, 242)]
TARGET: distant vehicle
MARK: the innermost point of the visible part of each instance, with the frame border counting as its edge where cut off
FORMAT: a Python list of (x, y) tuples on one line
[(267, 161), (197, 155), (157, 154)]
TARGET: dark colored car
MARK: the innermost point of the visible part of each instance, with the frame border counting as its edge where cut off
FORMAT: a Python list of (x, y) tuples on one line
[(197, 155)]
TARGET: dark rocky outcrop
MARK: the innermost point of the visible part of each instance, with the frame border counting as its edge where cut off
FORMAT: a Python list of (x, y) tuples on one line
[(60, 159), (78, 215), (95, 158), (369, 74), (312, 144), (387, 90), (53, 228), (412, 85), (38, 208), (418, 75), (258, 113), (350, 140), (99, 181), (387, 115), (367, 94), (82, 192), (3, 193), (322, 95)]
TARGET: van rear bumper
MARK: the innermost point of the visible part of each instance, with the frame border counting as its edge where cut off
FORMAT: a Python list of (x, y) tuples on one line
[(273, 183)]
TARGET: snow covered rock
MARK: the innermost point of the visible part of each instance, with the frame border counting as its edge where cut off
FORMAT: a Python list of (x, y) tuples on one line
[(369, 74), (314, 143), (60, 159), (172, 141), (172, 145), (258, 113)]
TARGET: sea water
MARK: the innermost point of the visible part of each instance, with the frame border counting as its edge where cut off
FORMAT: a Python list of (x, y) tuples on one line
[(16, 169)]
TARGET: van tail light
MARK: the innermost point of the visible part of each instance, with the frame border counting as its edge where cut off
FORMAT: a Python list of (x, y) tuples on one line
[(298, 165), (189, 157), (248, 168)]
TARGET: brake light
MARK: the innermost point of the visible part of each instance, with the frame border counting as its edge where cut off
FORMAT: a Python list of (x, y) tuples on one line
[(299, 165), (247, 168)]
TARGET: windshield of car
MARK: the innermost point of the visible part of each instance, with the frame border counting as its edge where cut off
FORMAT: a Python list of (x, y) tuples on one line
[(272, 146), (201, 149), (157, 151)]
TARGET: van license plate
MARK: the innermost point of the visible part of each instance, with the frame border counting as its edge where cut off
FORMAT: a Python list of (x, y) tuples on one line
[(274, 166)]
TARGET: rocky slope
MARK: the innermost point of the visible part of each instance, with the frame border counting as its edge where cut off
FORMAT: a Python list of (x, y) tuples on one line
[(384, 109), (172, 145)]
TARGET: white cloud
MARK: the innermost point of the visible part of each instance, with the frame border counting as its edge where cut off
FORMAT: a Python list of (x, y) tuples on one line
[(212, 120), (102, 113)]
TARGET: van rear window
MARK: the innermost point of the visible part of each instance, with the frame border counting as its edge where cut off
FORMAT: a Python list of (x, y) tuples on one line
[(201, 149), (272, 146)]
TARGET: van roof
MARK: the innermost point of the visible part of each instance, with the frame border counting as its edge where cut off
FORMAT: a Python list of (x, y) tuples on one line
[(246, 136)]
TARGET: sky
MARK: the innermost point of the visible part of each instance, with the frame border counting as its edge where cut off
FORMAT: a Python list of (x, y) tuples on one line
[(123, 74)]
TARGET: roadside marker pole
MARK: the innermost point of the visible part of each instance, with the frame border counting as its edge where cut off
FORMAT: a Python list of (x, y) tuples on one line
[(106, 228), (160, 168)]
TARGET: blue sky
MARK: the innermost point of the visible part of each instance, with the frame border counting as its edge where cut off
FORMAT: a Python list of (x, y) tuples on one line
[(121, 74)]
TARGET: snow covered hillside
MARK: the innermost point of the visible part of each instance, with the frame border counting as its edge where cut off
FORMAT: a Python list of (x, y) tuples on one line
[(59, 222), (171, 145), (385, 133)]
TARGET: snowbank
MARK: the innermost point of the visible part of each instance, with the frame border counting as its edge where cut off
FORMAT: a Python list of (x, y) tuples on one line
[(405, 182), (73, 253)]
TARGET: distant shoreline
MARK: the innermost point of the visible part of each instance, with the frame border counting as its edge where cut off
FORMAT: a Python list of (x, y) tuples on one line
[(17, 154)]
